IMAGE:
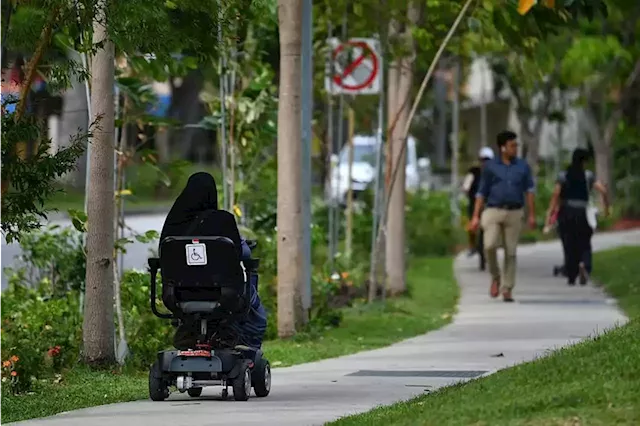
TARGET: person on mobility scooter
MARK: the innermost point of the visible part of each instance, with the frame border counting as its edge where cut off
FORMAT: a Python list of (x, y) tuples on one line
[(209, 284)]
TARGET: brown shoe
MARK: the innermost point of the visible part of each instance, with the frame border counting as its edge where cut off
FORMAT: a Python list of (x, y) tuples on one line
[(494, 290), (506, 296)]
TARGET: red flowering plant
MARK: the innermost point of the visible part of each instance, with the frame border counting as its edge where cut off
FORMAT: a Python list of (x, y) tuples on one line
[(11, 378), (41, 331)]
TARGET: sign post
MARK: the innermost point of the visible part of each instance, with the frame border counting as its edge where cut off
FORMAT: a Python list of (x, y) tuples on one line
[(355, 68), (455, 142), (305, 161)]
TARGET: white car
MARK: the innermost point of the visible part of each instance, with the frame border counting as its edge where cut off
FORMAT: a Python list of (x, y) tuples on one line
[(365, 149)]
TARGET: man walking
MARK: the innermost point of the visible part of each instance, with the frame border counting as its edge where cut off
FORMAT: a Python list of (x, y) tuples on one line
[(505, 183)]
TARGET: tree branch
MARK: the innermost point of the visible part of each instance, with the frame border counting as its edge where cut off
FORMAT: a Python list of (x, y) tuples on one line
[(45, 39)]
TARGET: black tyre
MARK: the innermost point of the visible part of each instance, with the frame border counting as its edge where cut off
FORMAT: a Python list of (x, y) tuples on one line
[(261, 378), (194, 392), (158, 389), (242, 385)]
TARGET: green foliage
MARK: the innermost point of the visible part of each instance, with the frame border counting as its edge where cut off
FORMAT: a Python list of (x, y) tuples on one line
[(146, 333), (627, 162), (46, 333), (431, 230), (251, 117), (40, 336), (31, 181), (52, 259)]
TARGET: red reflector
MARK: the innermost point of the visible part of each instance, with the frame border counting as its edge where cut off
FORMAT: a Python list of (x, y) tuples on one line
[(195, 353), (195, 241)]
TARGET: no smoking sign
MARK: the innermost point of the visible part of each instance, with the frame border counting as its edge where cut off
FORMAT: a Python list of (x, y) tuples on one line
[(355, 67)]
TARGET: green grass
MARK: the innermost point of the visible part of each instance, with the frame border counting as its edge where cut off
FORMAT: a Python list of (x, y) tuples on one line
[(619, 271), (79, 388), (142, 181), (430, 305), (596, 382), (433, 295), (70, 199)]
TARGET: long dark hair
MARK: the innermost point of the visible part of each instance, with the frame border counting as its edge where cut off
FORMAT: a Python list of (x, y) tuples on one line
[(575, 173), (576, 168)]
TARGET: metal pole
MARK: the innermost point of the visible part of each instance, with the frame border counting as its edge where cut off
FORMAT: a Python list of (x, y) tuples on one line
[(85, 65), (332, 150), (223, 124), (87, 178), (373, 286), (483, 107), (340, 139), (455, 143), (305, 163), (349, 210)]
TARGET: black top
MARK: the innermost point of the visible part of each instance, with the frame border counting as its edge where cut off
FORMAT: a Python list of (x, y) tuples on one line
[(476, 172), (575, 184)]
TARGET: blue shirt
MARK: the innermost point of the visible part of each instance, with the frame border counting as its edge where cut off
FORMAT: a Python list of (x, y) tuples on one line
[(505, 184)]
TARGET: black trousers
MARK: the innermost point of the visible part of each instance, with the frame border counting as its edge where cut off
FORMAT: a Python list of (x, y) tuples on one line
[(576, 238), (586, 255)]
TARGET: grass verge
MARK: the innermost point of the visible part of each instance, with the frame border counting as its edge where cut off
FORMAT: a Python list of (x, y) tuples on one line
[(619, 272), (429, 305), (594, 382), (143, 181)]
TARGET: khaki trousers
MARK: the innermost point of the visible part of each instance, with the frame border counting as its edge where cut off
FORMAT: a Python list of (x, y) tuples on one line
[(502, 227)]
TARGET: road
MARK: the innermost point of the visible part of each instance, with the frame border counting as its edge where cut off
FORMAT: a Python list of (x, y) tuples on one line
[(547, 314), (137, 253)]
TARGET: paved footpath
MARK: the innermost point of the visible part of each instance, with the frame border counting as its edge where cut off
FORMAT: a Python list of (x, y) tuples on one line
[(547, 314)]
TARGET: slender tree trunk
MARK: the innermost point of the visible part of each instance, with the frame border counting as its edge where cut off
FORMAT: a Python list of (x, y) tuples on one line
[(98, 327), (392, 109), (161, 142), (602, 145), (392, 130), (289, 174), (396, 259)]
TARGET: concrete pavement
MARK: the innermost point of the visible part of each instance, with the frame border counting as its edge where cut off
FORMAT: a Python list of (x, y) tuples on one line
[(486, 335)]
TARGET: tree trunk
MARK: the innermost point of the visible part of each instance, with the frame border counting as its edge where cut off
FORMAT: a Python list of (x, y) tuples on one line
[(531, 140), (187, 108), (602, 145), (395, 260), (392, 131), (395, 242), (289, 174), (161, 142), (98, 327)]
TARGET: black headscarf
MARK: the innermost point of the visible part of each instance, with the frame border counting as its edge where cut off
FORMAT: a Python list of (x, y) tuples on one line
[(199, 196)]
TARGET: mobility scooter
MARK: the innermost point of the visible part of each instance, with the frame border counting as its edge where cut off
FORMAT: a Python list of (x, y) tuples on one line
[(205, 284)]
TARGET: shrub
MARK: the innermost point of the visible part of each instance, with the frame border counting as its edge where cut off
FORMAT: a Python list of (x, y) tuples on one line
[(53, 257), (146, 333), (430, 228), (40, 335)]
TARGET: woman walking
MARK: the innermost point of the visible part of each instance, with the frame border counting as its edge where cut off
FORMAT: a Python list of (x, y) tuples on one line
[(470, 187), (571, 199)]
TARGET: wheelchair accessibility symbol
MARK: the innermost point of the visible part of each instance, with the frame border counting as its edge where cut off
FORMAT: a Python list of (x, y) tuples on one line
[(196, 254)]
